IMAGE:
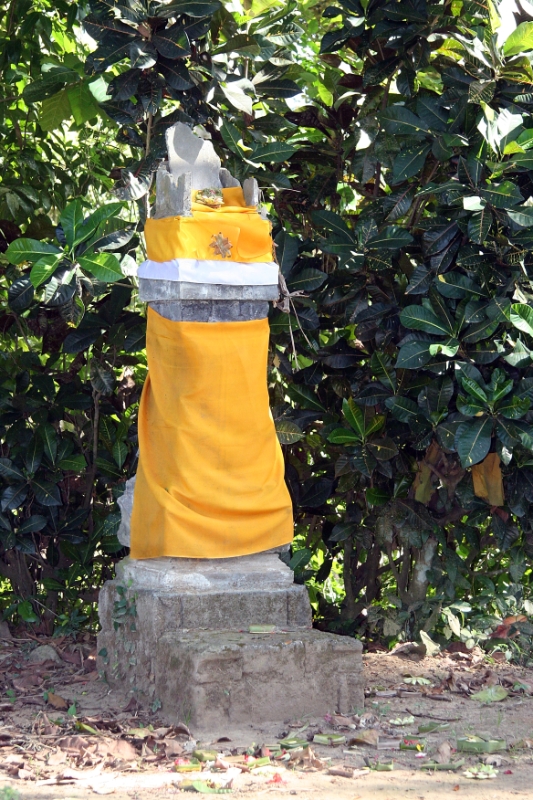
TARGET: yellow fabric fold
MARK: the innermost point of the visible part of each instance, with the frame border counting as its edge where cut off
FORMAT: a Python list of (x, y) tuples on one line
[(192, 237), (210, 482)]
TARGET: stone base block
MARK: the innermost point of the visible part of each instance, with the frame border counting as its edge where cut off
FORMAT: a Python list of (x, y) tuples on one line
[(135, 619), (224, 677)]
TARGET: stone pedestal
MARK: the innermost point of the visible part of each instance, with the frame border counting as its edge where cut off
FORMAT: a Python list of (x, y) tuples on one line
[(177, 631)]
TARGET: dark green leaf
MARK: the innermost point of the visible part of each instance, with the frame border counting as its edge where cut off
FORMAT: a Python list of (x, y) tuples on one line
[(422, 319), (33, 524), (20, 295), (472, 440), (502, 195), (273, 153), (398, 120)]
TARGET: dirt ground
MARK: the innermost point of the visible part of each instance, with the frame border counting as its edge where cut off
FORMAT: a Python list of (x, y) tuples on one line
[(65, 736)]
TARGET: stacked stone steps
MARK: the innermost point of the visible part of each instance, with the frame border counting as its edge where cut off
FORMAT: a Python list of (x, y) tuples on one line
[(177, 631)]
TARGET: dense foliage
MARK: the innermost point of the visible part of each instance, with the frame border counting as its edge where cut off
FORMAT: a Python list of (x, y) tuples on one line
[(400, 185)]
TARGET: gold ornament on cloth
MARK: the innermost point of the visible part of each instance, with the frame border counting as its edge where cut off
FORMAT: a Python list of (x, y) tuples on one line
[(210, 197), (221, 245)]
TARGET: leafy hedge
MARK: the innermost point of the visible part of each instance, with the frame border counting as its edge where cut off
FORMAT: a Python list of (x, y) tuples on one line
[(401, 378)]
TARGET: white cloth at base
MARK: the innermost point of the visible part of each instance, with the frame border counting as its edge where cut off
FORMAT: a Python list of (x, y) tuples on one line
[(229, 273)]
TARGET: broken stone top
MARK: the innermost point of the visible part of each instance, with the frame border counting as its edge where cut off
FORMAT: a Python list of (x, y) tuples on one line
[(187, 153)]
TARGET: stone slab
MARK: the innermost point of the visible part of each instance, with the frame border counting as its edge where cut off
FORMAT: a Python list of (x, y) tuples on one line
[(256, 572), (134, 619), (188, 153), (225, 677), (151, 290), (211, 310)]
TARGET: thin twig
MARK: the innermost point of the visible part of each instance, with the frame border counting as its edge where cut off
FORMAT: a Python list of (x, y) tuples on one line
[(432, 716)]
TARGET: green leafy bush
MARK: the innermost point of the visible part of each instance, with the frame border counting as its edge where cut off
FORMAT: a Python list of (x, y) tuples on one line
[(401, 378)]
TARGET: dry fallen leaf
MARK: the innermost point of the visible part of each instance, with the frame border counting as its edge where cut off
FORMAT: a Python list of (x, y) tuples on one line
[(443, 754), (368, 736), (117, 748), (57, 702)]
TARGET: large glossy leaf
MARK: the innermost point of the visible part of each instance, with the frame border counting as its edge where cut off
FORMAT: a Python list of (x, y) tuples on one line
[(31, 250), (502, 195), (286, 251), (344, 436), (413, 355), (288, 432), (232, 137), (398, 120), (20, 294), (473, 439), (520, 40), (479, 225), (455, 285), (9, 471), (402, 408), (305, 397), (193, 8), (422, 319), (391, 238), (522, 317), (44, 268), (308, 280), (104, 266), (46, 493), (142, 54), (333, 222), (273, 153), (13, 496), (409, 162), (72, 223), (354, 416), (172, 42), (383, 449)]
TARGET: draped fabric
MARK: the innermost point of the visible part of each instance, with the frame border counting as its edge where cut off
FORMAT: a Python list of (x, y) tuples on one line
[(210, 482), (169, 238)]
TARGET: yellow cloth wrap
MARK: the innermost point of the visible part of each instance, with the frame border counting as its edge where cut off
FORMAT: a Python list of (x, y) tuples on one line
[(192, 237), (210, 482)]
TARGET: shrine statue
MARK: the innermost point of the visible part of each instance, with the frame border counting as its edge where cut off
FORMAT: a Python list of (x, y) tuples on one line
[(210, 482)]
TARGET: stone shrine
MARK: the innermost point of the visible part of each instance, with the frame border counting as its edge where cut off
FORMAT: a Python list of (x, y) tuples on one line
[(214, 640)]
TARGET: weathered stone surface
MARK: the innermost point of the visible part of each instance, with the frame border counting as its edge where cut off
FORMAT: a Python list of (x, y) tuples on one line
[(256, 572), (226, 677), (125, 503), (250, 189), (173, 197), (188, 153), (131, 650), (211, 310), (151, 290), (44, 652), (227, 180)]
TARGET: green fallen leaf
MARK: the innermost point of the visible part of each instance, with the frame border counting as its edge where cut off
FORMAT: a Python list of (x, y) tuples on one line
[(481, 772), (291, 743), (204, 787), (451, 766), (205, 755), (334, 740), (478, 744), (383, 766), (417, 680), (493, 694), (430, 727), (262, 629), (402, 721)]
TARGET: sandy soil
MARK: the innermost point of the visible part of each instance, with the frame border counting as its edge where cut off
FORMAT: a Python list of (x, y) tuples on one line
[(34, 744)]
